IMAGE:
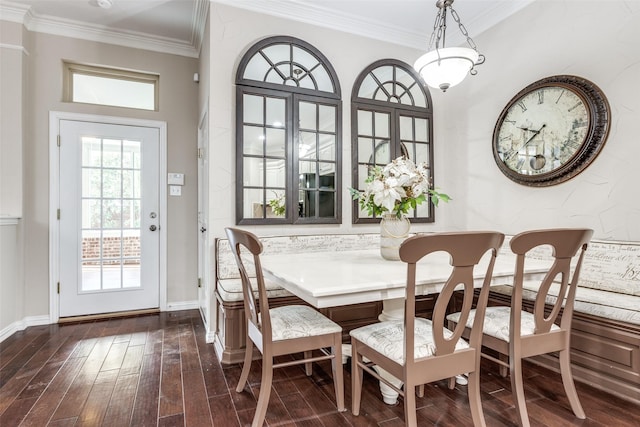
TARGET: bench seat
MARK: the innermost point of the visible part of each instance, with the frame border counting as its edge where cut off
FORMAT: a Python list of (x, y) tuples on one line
[(230, 290), (596, 302)]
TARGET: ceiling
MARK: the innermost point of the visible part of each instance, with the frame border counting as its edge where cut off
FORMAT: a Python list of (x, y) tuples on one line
[(176, 26)]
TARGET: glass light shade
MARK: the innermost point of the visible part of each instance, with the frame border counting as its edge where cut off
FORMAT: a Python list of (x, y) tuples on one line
[(446, 67)]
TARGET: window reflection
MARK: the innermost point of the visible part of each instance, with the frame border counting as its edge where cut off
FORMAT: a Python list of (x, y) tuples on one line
[(393, 116), (289, 106)]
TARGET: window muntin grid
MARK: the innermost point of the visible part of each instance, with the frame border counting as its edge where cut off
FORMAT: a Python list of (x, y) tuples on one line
[(391, 117), (110, 214), (290, 166)]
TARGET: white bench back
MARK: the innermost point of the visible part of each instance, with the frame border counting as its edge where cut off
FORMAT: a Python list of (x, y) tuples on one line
[(608, 265), (226, 267)]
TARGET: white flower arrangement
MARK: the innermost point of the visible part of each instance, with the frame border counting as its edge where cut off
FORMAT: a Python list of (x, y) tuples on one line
[(397, 188)]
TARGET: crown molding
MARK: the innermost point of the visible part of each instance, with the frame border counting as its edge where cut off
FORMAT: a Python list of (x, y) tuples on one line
[(15, 12), (102, 34), (315, 14), (307, 12), (324, 17), (199, 22)]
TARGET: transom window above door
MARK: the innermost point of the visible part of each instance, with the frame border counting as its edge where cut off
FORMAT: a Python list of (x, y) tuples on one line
[(288, 130), (391, 116)]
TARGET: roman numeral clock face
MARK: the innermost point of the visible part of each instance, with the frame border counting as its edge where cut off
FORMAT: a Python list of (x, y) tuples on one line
[(551, 130)]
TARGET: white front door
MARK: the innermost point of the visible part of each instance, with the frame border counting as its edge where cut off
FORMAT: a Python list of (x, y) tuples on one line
[(109, 244)]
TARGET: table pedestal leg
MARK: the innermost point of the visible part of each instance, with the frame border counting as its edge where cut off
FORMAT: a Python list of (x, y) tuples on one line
[(389, 395), (392, 309)]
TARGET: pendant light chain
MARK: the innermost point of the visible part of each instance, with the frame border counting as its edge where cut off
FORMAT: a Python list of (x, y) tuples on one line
[(470, 41), (439, 29)]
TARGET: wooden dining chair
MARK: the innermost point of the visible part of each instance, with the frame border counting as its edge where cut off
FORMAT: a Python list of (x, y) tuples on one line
[(416, 350), (281, 330), (517, 334)]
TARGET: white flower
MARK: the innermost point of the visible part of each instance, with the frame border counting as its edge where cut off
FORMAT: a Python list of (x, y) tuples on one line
[(397, 188), (386, 193)]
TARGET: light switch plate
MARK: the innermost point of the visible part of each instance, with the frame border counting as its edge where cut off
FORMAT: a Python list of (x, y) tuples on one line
[(175, 190), (175, 178)]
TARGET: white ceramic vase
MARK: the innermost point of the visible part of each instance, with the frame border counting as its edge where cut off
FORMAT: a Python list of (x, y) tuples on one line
[(393, 231)]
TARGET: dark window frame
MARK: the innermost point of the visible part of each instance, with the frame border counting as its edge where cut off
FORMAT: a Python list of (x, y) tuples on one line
[(293, 95), (397, 148)]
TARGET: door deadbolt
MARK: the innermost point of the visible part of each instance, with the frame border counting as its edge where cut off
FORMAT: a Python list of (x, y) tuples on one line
[(153, 215)]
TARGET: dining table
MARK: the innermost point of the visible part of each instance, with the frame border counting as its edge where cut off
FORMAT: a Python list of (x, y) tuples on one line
[(337, 277)]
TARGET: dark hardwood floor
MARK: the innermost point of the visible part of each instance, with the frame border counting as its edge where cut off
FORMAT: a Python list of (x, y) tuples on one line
[(158, 370)]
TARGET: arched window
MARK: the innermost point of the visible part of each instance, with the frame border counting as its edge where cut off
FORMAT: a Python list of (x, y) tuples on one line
[(288, 130), (391, 116)]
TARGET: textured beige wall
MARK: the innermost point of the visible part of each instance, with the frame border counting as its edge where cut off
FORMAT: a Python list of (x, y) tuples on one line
[(11, 288), (13, 57), (178, 107), (14, 51), (596, 40)]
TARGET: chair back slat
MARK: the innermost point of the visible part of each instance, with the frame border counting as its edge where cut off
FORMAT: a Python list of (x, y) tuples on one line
[(465, 250), (565, 244), (239, 239)]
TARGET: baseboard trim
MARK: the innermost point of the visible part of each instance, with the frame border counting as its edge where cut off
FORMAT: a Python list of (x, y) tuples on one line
[(217, 346), (23, 324), (183, 305), (103, 316)]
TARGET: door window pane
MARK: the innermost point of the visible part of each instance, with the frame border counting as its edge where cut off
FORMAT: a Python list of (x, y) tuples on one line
[(111, 199)]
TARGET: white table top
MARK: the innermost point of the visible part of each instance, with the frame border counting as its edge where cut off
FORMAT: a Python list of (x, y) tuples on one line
[(328, 279)]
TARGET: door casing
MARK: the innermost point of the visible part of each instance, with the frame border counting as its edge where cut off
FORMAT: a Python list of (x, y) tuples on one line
[(54, 195)]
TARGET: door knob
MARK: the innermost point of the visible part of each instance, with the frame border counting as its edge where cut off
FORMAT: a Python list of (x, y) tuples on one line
[(153, 228)]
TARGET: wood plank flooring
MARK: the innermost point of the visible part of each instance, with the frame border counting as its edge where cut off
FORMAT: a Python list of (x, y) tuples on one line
[(157, 370)]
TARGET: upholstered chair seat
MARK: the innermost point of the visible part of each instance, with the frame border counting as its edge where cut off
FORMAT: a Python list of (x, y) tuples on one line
[(298, 321), (496, 322), (388, 338)]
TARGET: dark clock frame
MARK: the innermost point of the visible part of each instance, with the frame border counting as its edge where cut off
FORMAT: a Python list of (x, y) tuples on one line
[(599, 124)]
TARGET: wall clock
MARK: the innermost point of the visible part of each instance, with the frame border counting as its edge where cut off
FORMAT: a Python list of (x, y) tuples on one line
[(551, 130)]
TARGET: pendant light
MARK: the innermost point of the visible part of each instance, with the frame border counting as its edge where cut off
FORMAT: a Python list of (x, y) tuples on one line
[(444, 67)]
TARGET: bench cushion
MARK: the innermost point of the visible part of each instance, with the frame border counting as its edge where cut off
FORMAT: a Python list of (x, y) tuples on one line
[(612, 266), (610, 305), (230, 290), (608, 265)]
